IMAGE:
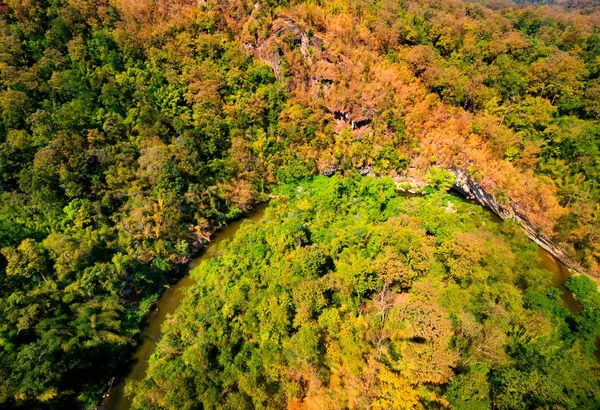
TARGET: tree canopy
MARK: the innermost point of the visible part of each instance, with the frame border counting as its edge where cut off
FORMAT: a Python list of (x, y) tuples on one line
[(347, 295), (132, 129)]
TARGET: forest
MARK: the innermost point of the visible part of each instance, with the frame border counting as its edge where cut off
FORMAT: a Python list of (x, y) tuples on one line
[(130, 130), (347, 295)]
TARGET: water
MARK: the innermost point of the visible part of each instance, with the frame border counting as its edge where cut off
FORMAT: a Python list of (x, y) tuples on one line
[(166, 305), (560, 274)]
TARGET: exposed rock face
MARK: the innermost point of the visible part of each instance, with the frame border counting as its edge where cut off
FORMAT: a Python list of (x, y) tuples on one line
[(283, 29), (468, 188)]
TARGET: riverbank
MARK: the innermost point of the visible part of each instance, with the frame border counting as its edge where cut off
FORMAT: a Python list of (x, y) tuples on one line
[(115, 398), (470, 189), (348, 280), (172, 297)]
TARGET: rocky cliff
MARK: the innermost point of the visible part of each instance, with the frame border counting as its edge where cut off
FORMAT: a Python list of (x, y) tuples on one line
[(470, 189)]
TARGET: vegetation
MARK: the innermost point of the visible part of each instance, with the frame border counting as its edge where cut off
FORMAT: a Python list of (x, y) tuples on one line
[(349, 296), (114, 167), (131, 129)]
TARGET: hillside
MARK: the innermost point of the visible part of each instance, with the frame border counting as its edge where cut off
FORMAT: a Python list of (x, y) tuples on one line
[(131, 129), (506, 93)]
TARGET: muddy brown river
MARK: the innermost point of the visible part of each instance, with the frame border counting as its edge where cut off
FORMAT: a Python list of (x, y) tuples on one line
[(560, 274)]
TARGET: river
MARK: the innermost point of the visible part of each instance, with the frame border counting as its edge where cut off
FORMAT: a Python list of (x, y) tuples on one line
[(172, 297), (560, 274), (166, 305)]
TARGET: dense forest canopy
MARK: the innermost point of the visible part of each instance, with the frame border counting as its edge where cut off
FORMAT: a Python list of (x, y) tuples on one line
[(131, 129), (347, 295)]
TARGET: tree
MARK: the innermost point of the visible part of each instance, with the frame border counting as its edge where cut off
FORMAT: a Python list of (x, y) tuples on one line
[(440, 179), (26, 262), (557, 76)]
